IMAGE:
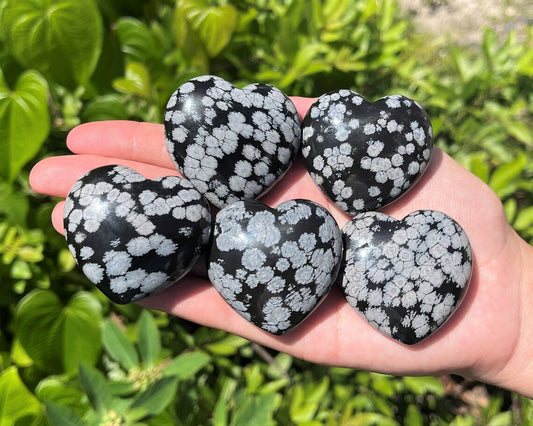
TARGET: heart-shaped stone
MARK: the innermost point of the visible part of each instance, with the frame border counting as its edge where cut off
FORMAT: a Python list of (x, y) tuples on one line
[(274, 266), (232, 144), (364, 155), (132, 236), (405, 277)]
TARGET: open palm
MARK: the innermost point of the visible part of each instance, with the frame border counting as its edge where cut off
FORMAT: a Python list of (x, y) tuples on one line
[(480, 340)]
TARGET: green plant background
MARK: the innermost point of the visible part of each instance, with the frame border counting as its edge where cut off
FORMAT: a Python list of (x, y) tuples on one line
[(68, 356)]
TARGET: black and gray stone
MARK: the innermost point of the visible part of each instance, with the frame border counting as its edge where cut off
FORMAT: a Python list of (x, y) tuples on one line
[(274, 266), (365, 155), (232, 144), (405, 277), (131, 236)]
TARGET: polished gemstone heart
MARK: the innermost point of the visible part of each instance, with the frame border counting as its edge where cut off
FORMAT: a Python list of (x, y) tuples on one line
[(274, 266), (132, 236), (232, 144), (364, 155), (405, 277)]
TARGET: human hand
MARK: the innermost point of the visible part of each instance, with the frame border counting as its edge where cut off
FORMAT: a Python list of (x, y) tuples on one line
[(488, 338)]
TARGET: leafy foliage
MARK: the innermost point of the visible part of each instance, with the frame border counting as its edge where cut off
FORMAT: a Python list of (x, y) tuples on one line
[(67, 355)]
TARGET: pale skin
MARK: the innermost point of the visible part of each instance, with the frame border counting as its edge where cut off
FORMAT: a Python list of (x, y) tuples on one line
[(489, 338)]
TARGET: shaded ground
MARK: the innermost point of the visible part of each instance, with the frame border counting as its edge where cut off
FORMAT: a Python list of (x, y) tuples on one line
[(463, 20)]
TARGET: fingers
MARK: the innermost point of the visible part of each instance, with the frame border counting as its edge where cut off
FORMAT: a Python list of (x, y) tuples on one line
[(134, 141), (129, 140), (56, 175), (302, 104), (57, 217), (334, 334)]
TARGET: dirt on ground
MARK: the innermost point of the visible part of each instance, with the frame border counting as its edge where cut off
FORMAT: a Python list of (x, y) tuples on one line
[(463, 21)]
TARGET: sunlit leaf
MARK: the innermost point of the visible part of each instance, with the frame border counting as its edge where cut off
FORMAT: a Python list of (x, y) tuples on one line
[(24, 121), (60, 38)]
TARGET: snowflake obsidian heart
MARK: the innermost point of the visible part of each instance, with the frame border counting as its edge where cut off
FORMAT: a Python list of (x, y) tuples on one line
[(405, 277), (364, 155), (132, 236), (274, 266), (231, 143)]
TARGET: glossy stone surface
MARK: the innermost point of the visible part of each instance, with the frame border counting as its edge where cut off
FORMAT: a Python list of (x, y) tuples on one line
[(364, 155), (132, 236), (232, 144), (405, 277), (274, 266)]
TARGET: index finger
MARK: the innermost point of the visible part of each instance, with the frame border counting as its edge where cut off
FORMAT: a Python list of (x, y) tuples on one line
[(135, 141)]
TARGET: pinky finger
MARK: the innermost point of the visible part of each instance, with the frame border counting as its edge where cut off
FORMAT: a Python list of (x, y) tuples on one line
[(57, 217)]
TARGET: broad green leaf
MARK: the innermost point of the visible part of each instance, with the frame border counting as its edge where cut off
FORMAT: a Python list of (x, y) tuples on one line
[(255, 410), (24, 122), (136, 40), (118, 346), (158, 395), (59, 337), (95, 385), (214, 25), (16, 401), (57, 390), (149, 340), (60, 38), (60, 415), (187, 365)]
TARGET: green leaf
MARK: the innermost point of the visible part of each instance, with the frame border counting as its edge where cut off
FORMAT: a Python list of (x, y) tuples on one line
[(424, 385), (505, 173), (228, 346), (60, 415), (16, 401), (108, 107), (510, 207), (94, 383), (24, 122), (524, 219), (14, 205), (57, 390), (413, 416), (59, 337), (60, 38), (136, 40), (158, 396), (214, 25), (187, 365), (255, 410), (149, 340), (220, 413), (118, 346), (136, 81), (364, 419), (501, 419)]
